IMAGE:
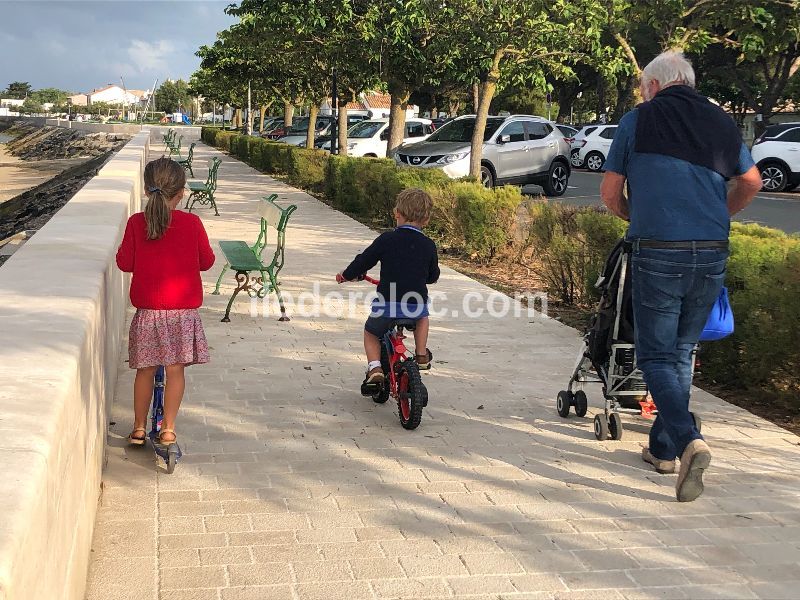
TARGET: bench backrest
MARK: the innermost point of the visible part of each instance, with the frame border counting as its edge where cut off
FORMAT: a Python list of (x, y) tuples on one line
[(272, 215), (213, 167), (190, 154)]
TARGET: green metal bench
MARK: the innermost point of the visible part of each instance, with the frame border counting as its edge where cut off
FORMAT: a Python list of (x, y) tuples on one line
[(168, 137), (202, 192), (186, 163), (175, 147), (245, 259)]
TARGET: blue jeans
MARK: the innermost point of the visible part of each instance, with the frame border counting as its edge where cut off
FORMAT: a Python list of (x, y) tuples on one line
[(673, 293)]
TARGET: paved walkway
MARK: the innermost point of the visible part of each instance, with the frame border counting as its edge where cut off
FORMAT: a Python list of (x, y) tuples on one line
[(294, 486)]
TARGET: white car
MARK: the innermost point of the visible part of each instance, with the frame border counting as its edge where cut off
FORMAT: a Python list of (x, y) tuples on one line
[(590, 147), (370, 138), (777, 155)]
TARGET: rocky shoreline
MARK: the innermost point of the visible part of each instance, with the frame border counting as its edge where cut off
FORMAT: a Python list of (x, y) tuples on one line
[(54, 164)]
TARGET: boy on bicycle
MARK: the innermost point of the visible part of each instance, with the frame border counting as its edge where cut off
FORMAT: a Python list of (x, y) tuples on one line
[(409, 262)]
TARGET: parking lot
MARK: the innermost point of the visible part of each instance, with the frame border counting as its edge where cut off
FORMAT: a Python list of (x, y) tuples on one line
[(779, 210)]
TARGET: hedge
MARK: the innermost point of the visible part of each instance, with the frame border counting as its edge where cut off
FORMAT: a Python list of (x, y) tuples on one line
[(567, 245)]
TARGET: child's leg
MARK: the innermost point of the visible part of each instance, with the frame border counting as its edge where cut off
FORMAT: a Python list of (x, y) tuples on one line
[(173, 394), (142, 396), (372, 346), (421, 337)]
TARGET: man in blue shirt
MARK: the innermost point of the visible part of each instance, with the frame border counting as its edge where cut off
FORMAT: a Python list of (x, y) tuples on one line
[(677, 152)]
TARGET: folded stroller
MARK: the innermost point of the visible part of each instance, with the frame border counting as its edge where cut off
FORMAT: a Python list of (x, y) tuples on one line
[(608, 355)]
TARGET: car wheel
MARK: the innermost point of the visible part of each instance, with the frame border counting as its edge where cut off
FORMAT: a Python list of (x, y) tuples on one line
[(595, 161), (774, 178), (487, 177), (557, 180), (575, 159)]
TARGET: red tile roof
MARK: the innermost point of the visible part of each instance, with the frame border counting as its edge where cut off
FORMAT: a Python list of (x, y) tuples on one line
[(378, 100)]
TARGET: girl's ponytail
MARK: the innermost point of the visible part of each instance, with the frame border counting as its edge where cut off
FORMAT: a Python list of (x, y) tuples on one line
[(163, 179)]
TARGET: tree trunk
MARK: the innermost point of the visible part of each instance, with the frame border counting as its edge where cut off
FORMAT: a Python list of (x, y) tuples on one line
[(454, 104), (288, 113), (397, 116), (637, 71), (476, 95), (238, 120), (264, 108), (313, 111), (566, 98), (624, 96), (342, 128), (487, 89), (601, 98), (251, 117)]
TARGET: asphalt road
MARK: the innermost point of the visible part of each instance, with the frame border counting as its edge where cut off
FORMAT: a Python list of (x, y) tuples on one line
[(781, 211)]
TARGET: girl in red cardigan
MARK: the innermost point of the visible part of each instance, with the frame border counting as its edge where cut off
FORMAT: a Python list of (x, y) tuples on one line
[(165, 249)]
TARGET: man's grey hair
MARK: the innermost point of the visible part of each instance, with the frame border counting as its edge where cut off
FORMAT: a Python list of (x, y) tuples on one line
[(669, 68)]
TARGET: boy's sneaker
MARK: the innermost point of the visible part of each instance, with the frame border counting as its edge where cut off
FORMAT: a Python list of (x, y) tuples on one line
[(424, 360), (695, 459), (375, 377)]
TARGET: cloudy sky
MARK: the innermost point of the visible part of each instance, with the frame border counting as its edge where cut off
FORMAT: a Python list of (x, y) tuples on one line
[(82, 45)]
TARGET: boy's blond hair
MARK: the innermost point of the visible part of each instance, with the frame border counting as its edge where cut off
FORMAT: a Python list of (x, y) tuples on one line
[(415, 205)]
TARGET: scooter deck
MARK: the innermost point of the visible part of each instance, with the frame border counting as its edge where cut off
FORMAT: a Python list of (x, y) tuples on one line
[(162, 450)]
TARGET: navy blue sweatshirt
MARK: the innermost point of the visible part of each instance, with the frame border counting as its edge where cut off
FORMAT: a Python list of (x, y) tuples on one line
[(408, 260)]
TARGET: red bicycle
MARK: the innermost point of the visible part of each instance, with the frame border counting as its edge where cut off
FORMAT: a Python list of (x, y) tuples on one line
[(402, 379)]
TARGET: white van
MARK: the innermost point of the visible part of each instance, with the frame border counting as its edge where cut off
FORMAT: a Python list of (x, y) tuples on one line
[(369, 138)]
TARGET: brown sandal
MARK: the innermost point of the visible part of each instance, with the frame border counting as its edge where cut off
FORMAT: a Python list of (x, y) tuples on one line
[(164, 442), (137, 441)]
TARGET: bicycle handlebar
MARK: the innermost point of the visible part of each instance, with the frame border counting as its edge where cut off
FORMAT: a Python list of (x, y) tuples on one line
[(364, 277)]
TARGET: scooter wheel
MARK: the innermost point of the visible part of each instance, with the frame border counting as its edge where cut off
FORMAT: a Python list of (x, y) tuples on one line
[(172, 458)]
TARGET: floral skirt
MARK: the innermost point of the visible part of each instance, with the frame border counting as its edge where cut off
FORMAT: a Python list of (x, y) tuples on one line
[(166, 337)]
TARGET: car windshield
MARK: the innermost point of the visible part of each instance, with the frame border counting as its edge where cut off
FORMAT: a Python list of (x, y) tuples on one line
[(300, 126), (365, 129), (461, 130)]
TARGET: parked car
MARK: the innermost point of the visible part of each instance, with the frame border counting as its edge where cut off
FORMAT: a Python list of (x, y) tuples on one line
[(325, 140), (518, 149), (370, 138), (568, 131), (270, 123), (590, 146), (299, 131), (777, 155)]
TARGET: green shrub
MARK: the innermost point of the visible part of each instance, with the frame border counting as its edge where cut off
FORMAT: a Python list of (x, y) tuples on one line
[(763, 280), (307, 168)]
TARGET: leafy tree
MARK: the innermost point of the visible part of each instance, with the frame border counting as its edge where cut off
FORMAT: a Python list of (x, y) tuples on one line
[(31, 105), (172, 96), (53, 95), (18, 90), (520, 41)]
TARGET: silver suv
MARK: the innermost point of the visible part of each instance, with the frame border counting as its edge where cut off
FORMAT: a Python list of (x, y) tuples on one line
[(517, 150)]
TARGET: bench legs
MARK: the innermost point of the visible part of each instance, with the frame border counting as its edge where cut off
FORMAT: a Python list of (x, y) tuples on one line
[(242, 284), (202, 198), (219, 279), (273, 280)]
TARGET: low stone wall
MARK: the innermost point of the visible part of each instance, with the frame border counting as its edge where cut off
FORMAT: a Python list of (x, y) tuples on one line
[(62, 316), (189, 133)]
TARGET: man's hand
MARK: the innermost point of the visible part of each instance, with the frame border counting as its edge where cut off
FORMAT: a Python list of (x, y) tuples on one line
[(611, 192), (744, 189)]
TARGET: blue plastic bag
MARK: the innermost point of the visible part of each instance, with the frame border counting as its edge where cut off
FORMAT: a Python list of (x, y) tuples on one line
[(720, 322)]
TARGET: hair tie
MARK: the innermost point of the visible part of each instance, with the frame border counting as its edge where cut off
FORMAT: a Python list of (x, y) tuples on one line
[(153, 190)]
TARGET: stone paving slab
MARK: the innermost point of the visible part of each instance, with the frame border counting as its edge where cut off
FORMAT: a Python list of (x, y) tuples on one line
[(294, 486)]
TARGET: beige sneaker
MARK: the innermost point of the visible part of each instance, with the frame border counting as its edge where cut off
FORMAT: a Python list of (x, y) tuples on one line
[(695, 459), (665, 467)]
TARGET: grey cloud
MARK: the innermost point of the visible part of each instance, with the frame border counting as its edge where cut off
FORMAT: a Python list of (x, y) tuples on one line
[(79, 45)]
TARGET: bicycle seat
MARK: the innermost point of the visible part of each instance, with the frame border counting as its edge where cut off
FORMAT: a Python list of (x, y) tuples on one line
[(409, 324)]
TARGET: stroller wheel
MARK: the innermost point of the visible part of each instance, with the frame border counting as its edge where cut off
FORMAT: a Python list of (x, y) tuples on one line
[(615, 426), (581, 403), (698, 423), (601, 427), (563, 402)]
